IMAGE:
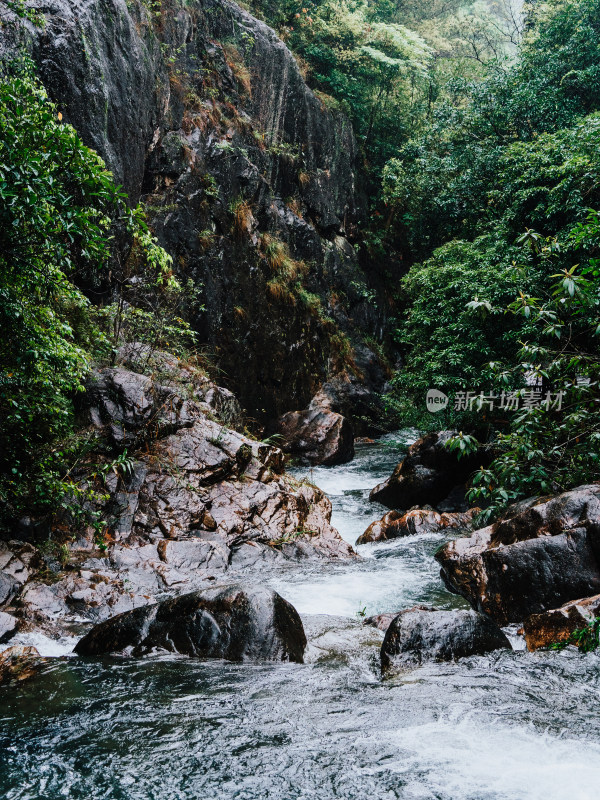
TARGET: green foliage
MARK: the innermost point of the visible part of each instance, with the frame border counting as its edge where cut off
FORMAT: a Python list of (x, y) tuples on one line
[(58, 204), (19, 9), (448, 340), (462, 445), (549, 338), (548, 182), (455, 322), (554, 445), (495, 193), (122, 466), (440, 184), (372, 68), (385, 64), (586, 639)]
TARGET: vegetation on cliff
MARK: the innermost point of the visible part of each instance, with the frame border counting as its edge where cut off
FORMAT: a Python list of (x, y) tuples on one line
[(388, 65), (61, 215)]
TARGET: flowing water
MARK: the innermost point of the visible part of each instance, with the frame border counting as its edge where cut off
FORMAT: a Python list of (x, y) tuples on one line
[(508, 726)]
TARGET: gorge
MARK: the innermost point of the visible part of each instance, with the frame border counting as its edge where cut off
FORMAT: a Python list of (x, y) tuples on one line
[(239, 557)]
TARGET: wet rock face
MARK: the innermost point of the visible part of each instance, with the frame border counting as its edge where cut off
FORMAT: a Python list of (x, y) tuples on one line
[(203, 113), (537, 559), (420, 520), (417, 635), (130, 405), (558, 624), (198, 504), (238, 623), (317, 436), (19, 663), (150, 394), (8, 587), (354, 398), (199, 482), (429, 475), (18, 562)]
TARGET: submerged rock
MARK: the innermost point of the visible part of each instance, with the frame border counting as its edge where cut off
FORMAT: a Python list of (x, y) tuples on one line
[(317, 436), (557, 625), (383, 621), (540, 556), (18, 663), (430, 475), (395, 524), (238, 623), (419, 635)]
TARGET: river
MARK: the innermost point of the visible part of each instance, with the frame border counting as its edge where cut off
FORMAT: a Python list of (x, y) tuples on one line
[(508, 726)]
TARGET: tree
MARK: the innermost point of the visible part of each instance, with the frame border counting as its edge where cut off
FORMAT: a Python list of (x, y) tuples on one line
[(439, 182)]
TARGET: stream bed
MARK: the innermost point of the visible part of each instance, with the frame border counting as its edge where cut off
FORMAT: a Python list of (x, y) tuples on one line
[(507, 726)]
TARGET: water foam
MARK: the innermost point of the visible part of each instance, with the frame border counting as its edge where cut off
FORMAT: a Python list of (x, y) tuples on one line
[(478, 760)]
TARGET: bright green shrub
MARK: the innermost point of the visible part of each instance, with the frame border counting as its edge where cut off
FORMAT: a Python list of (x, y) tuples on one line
[(57, 206)]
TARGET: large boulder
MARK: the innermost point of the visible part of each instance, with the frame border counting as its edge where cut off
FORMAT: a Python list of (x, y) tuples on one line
[(419, 635), (357, 399), (18, 562), (317, 436), (540, 556), (198, 480), (132, 408), (395, 524), (8, 587), (196, 503), (430, 475), (558, 624), (182, 378), (237, 622)]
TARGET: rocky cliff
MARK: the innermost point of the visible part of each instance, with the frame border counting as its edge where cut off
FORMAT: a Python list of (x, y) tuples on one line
[(189, 504), (250, 181)]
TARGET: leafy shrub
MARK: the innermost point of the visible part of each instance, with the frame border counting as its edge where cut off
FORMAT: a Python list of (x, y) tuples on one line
[(58, 204), (553, 445)]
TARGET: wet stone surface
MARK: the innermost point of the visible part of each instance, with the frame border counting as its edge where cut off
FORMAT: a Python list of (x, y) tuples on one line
[(235, 622)]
